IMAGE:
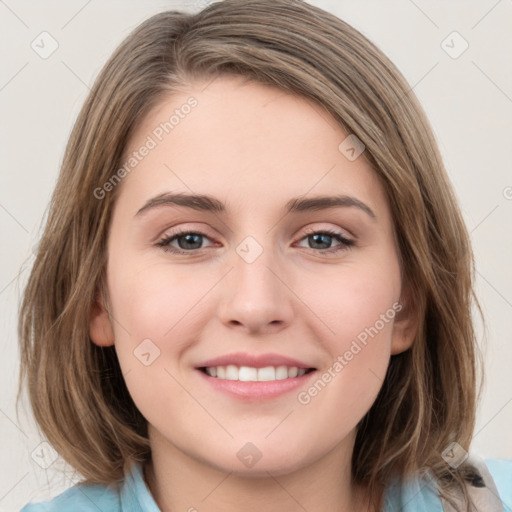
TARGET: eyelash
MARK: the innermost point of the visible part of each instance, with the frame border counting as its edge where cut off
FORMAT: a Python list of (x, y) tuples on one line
[(345, 243)]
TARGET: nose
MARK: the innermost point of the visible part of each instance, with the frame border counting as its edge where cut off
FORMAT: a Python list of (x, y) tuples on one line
[(257, 297)]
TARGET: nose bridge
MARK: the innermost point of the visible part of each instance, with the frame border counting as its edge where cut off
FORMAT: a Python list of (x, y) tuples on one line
[(255, 269), (258, 297)]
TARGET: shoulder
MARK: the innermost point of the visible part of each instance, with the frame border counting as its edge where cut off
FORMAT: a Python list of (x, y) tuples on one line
[(490, 489), (501, 472), (488, 483), (79, 497)]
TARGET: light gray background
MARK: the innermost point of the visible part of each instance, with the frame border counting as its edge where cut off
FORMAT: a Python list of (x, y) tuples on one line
[(468, 100)]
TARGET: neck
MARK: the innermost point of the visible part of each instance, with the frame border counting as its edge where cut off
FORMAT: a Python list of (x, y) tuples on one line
[(182, 483)]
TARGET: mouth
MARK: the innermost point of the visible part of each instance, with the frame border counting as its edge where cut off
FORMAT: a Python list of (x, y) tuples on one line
[(253, 374), (255, 377)]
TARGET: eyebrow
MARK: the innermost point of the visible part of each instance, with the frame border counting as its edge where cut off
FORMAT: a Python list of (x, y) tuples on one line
[(211, 204)]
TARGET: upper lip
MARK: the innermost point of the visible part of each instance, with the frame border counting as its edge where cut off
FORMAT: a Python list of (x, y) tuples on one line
[(253, 360)]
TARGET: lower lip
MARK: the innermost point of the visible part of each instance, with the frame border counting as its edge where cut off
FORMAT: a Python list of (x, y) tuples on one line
[(256, 390)]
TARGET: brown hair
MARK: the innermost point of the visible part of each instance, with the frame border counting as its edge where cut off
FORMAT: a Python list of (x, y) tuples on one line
[(76, 388)]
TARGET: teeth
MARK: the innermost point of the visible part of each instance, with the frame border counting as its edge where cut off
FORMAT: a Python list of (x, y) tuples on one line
[(231, 372), (249, 374), (267, 373), (281, 372)]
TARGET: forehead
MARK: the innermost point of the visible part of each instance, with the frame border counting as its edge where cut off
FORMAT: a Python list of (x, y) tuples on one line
[(246, 143)]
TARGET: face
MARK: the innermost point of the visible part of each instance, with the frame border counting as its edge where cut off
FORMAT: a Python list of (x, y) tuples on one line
[(256, 341)]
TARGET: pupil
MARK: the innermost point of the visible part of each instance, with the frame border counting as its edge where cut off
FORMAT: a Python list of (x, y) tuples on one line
[(188, 241), (315, 237)]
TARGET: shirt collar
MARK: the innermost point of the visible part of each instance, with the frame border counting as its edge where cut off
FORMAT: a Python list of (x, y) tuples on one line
[(415, 494), (135, 494)]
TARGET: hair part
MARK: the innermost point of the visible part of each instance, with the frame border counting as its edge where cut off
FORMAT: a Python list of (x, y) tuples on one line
[(429, 395)]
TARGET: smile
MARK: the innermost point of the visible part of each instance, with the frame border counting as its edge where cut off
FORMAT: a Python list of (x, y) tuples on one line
[(251, 374)]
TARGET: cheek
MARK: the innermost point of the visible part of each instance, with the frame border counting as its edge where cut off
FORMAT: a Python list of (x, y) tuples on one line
[(357, 308), (163, 304), (154, 321), (153, 298), (353, 301), (361, 315)]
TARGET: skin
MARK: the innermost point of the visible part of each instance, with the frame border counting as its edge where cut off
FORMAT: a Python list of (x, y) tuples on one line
[(254, 148)]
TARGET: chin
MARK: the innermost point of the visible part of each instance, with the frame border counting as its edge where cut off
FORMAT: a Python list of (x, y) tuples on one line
[(251, 462)]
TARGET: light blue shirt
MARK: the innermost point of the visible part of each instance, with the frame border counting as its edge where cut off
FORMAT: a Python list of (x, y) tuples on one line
[(416, 495)]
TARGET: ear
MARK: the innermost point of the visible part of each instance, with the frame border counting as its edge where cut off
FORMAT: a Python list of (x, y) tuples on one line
[(405, 326), (100, 328)]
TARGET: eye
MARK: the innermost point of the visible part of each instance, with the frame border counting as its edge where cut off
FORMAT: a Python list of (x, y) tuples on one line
[(324, 237), (191, 241), (188, 241)]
